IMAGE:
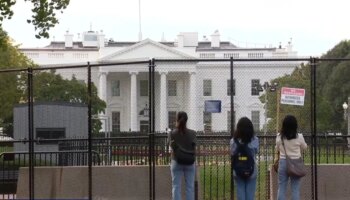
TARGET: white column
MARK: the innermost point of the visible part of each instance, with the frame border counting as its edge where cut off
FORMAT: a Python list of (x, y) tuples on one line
[(192, 106), (133, 101), (102, 92), (163, 102)]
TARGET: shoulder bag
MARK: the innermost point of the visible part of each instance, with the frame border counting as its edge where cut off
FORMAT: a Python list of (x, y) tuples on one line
[(295, 167)]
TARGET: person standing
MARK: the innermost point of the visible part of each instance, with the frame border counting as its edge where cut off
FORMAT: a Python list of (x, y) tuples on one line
[(293, 144), (183, 143), (245, 140)]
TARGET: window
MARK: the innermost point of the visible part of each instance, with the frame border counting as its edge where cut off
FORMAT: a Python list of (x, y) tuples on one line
[(229, 120), (144, 126), (229, 87), (115, 122), (90, 37), (115, 86), (50, 133), (172, 119), (206, 87), (256, 120), (143, 88), (172, 88), (255, 87), (207, 121)]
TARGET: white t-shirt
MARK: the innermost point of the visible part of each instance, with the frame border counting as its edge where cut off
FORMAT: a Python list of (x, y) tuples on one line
[(293, 146)]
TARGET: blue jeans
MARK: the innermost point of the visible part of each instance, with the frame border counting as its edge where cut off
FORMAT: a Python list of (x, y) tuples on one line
[(246, 188), (283, 182), (177, 172)]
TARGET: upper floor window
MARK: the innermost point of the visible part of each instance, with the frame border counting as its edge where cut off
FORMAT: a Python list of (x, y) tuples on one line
[(207, 87), (229, 87), (172, 88), (143, 88), (255, 87), (115, 86)]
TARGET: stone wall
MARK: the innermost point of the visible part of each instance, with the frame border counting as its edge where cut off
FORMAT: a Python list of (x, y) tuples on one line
[(109, 182)]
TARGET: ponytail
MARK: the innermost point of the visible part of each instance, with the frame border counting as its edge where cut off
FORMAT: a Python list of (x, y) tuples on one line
[(181, 121)]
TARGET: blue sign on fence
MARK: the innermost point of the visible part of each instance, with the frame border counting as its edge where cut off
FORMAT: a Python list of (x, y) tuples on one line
[(212, 106)]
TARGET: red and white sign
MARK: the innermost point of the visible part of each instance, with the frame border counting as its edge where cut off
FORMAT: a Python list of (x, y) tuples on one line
[(292, 96)]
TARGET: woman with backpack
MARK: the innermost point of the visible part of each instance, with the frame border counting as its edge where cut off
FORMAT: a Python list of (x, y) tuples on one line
[(244, 147), (183, 143), (292, 142)]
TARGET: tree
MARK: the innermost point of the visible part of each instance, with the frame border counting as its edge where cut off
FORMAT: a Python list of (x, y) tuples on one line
[(332, 89), (333, 86), (299, 78), (10, 94), (49, 86), (44, 13)]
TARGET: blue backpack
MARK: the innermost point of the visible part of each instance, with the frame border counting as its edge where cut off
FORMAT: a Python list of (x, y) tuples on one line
[(243, 160)]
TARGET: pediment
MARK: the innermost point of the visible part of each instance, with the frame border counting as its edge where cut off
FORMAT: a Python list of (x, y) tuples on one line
[(146, 49)]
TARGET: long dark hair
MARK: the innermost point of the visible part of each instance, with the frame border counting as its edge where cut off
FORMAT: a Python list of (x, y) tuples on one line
[(244, 130), (289, 127), (181, 120)]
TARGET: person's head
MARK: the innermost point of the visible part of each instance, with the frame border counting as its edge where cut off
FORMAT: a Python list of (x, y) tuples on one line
[(244, 130), (289, 127), (181, 120)]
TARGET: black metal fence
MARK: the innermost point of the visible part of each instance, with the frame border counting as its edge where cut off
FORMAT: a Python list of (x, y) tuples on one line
[(146, 144)]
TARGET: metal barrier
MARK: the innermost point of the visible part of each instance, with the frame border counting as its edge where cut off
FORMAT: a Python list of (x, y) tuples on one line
[(149, 147)]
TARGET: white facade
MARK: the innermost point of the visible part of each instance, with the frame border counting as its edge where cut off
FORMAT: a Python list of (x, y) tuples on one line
[(121, 85)]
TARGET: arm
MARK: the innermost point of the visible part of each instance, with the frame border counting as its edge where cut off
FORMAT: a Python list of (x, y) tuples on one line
[(232, 146), (256, 144), (277, 149), (303, 144)]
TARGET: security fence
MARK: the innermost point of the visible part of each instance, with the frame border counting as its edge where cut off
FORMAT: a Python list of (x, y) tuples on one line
[(119, 114)]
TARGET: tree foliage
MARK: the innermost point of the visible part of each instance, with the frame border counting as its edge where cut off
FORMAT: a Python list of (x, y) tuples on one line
[(10, 93), (51, 87), (332, 90), (44, 13), (299, 78), (48, 86)]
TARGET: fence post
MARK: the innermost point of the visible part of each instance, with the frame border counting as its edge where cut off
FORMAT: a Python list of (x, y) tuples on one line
[(232, 113), (89, 130), (31, 135), (314, 192)]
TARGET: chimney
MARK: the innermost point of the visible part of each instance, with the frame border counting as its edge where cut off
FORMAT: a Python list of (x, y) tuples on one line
[(180, 40), (215, 39), (101, 39), (68, 40), (290, 46)]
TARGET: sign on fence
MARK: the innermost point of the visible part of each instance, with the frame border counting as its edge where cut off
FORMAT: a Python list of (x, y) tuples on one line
[(292, 96), (212, 106)]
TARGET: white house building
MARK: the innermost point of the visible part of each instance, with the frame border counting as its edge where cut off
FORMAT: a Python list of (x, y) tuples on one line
[(178, 85)]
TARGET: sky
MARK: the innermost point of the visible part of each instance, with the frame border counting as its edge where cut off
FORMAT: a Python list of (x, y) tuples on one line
[(313, 26)]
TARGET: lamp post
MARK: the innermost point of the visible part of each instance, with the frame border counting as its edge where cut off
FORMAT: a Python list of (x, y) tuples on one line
[(347, 118)]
